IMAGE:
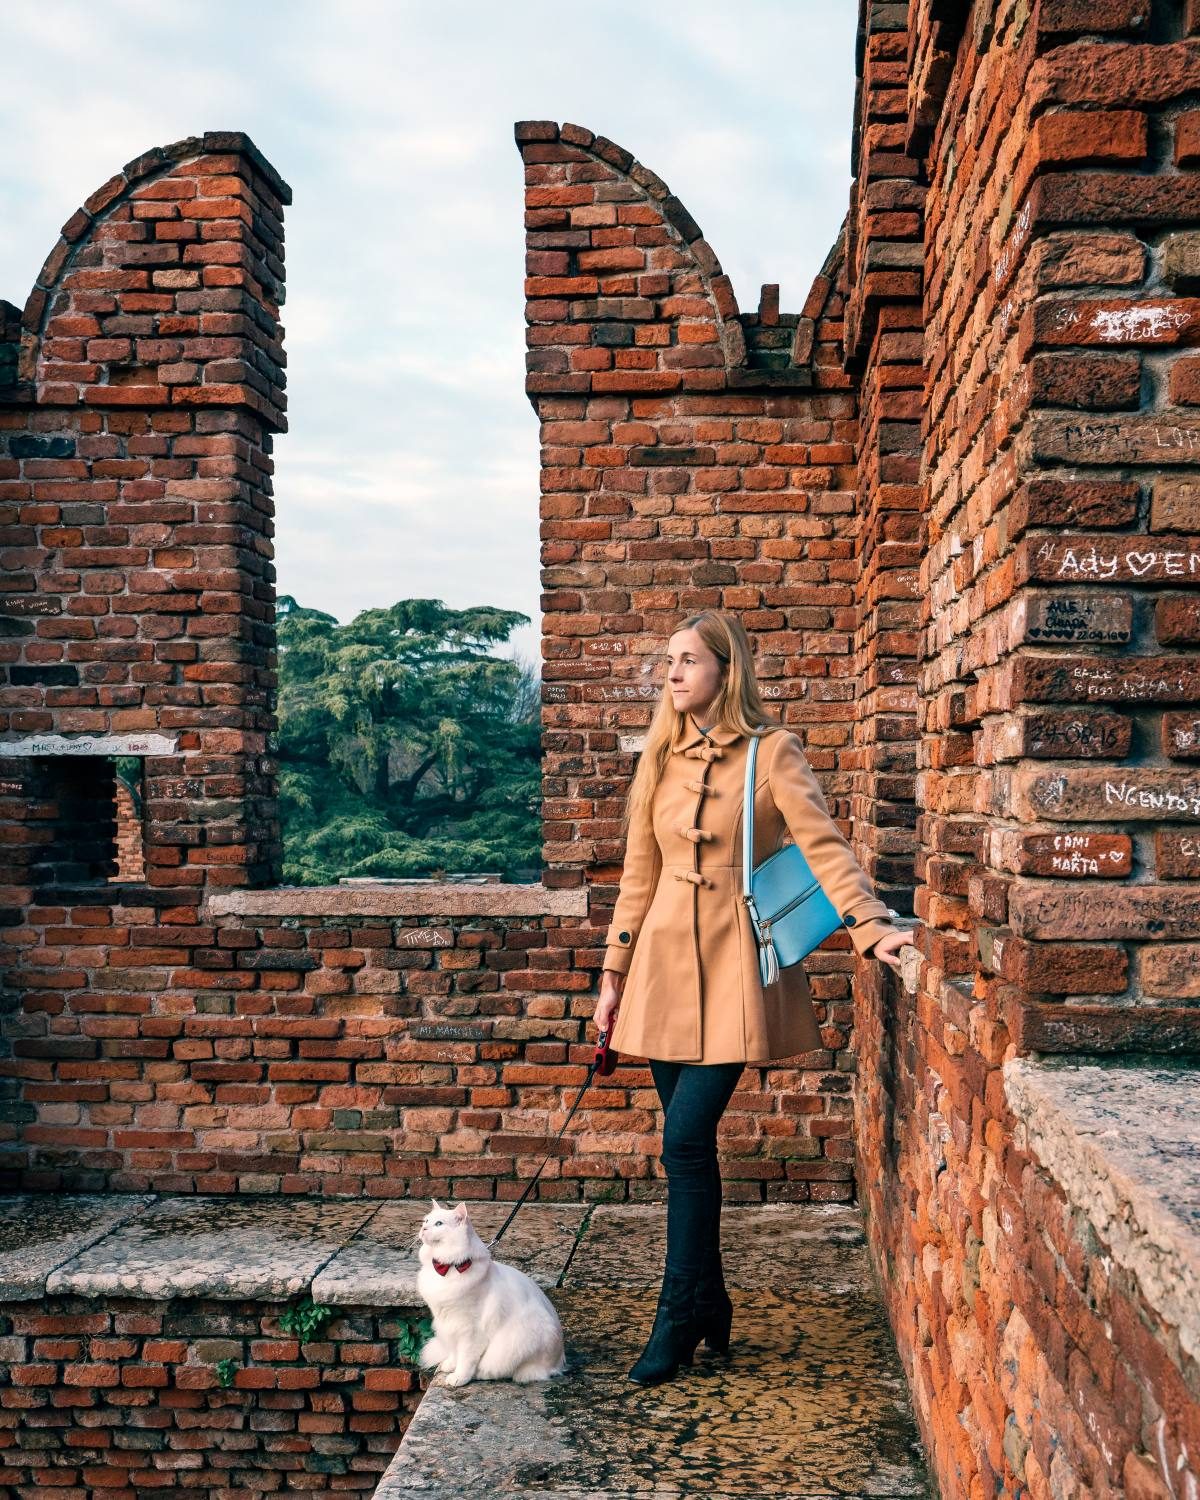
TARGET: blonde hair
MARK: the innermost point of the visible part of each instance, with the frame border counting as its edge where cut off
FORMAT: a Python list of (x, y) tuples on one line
[(738, 705)]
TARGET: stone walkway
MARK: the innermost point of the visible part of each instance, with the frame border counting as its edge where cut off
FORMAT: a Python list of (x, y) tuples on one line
[(812, 1402)]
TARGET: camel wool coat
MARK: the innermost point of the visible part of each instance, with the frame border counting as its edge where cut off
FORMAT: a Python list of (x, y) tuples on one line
[(680, 932)]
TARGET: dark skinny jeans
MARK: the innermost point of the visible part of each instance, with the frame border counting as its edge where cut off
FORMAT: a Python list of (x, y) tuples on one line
[(694, 1097)]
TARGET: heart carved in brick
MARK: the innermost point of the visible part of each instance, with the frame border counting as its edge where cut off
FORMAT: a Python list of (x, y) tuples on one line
[(1139, 562)]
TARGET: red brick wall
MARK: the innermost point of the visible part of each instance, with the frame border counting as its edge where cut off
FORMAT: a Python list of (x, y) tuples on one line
[(120, 1397), (883, 348), (1057, 688)]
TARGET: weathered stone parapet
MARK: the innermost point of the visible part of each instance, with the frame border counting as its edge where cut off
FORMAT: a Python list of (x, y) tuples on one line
[(1084, 1122), (433, 899)]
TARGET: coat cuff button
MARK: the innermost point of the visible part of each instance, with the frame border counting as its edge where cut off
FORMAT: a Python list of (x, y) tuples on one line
[(849, 918)]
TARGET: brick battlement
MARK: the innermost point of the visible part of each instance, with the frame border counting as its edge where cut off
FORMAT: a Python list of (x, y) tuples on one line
[(625, 295)]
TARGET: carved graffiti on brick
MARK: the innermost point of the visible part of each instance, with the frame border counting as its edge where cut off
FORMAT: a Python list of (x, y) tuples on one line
[(177, 790), (425, 937), (1090, 562), (1070, 618), (28, 604), (1049, 793), (1097, 436), (1077, 732), (1129, 794), (1177, 437), (1123, 324), (1015, 241), (1097, 682), (618, 692), (1073, 855), (1005, 316)]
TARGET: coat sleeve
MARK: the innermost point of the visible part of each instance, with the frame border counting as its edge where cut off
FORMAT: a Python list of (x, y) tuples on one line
[(799, 798), (643, 862)]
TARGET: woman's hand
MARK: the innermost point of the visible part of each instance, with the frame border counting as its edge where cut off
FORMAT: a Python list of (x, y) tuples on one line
[(885, 950), (611, 985)]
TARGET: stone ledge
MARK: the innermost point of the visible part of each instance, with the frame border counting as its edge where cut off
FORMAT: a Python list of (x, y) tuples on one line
[(342, 1252), (265, 1249), (446, 898), (1085, 1120), (39, 1232)]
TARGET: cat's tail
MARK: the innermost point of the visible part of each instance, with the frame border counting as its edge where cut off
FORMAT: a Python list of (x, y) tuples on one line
[(433, 1351), (539, 1369)]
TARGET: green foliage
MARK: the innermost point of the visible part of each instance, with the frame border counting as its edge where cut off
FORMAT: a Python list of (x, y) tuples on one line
[(226, 1370), (405, 748), (305, 1319), (611, 1192), (414, 1333), (129, 770)]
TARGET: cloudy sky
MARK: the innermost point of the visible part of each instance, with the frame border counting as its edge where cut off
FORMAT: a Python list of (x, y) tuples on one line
[(410, 467)]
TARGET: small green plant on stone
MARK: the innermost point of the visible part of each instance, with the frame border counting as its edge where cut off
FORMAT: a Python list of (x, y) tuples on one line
[(226, 1370), (305, 1319), (414, 1333)]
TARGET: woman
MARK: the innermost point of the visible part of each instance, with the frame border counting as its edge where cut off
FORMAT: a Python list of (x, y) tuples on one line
[(680, 984)]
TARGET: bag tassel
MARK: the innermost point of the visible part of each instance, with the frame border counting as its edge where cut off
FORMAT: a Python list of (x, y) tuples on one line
[(768, 962)]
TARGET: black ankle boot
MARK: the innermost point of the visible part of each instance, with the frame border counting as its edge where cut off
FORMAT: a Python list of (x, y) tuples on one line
[(714, 1310), (674, 1336)]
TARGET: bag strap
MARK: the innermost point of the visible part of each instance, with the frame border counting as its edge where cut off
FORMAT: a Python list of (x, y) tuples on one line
[(748, 816)]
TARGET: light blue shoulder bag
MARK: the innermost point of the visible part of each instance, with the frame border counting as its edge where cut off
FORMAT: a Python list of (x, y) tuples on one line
[(790, 913)]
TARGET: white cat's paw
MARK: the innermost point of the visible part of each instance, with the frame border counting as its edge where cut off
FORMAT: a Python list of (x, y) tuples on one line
[(457, 1377)]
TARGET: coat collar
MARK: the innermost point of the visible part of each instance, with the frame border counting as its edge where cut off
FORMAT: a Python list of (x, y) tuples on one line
[(690, 735)]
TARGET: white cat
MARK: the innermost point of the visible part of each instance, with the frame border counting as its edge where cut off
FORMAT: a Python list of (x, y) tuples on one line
[(490, 1321)]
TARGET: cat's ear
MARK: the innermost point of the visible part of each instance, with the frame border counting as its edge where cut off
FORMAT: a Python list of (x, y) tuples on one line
[(461, 1211), (436, 1204)]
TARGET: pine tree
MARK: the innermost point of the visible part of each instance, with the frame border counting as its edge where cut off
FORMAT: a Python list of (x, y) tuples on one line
[(405, 746)]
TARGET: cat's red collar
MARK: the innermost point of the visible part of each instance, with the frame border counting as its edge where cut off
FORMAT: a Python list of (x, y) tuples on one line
[(442, 1267)]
